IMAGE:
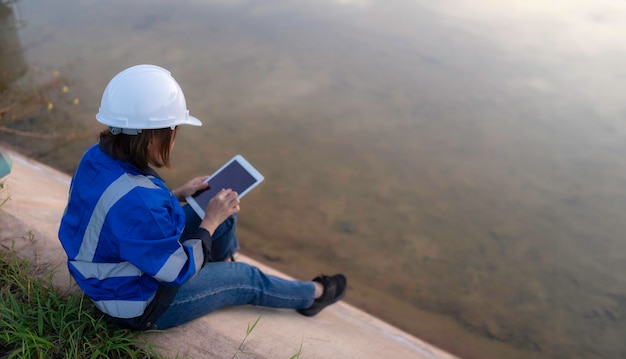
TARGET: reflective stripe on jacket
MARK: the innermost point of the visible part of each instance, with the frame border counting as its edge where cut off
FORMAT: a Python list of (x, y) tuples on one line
[(121, 232)]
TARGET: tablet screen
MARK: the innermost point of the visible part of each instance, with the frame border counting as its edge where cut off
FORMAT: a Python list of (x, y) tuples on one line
[(237, 175)]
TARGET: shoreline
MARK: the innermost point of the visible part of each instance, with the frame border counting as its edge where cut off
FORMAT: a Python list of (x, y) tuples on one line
[(38, 194), (434, 328)]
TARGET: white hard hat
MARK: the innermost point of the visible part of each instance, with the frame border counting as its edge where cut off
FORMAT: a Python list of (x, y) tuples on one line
[(144, 97)]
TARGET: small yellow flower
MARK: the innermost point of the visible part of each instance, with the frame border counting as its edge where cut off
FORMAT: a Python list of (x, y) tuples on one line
[(56, 74), (65, 89), (50, 106), (76, 101)]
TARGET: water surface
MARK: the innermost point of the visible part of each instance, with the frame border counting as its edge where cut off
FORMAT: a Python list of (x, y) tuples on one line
[(462, 162)]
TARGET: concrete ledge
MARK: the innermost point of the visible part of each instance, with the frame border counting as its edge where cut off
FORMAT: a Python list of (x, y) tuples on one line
[(29, 222)]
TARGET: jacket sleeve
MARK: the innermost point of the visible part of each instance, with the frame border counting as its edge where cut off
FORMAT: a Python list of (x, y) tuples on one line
[(149, 238), (205, 238)]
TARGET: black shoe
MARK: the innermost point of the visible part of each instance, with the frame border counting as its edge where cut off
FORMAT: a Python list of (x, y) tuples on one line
[(334, 291)]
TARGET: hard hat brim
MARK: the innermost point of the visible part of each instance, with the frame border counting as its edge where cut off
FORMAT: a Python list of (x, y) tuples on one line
[(190, 120)]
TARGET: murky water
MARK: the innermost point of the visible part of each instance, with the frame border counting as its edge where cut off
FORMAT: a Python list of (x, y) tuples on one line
[(462, 162)]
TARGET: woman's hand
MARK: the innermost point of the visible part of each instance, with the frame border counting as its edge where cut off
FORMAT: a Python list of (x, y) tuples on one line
[(222, 206), (190, 188)]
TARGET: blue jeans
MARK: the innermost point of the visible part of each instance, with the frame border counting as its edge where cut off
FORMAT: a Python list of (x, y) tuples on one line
[(220, 284)]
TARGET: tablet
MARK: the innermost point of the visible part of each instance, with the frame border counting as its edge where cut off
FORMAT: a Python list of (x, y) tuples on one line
[(237, 174)]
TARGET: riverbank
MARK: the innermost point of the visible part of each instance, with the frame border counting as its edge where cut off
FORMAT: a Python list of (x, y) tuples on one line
[(29, 223)]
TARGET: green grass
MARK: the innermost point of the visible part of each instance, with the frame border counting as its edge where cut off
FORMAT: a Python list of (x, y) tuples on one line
[(39, 321), (3, 200), (249, 331)]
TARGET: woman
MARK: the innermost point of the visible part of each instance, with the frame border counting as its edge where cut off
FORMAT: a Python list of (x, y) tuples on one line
[(144, 260)]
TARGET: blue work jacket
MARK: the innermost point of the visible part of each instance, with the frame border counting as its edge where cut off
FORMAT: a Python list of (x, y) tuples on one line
[(121, 232)]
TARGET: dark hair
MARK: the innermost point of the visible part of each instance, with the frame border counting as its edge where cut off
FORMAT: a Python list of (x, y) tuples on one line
[(134, 148)]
